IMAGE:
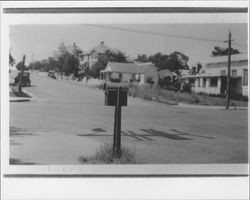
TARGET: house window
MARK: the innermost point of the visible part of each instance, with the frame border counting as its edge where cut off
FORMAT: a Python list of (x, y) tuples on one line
[(245, 76), (234, 72), (213, 82), (204, 82), (223, 73), (191, 81), (199, 82), (94, 55)]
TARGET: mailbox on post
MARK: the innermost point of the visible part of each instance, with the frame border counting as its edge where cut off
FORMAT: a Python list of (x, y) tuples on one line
[(111, 95), (116, 94)]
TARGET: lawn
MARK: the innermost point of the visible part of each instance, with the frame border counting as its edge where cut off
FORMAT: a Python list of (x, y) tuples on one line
[(156, 93)]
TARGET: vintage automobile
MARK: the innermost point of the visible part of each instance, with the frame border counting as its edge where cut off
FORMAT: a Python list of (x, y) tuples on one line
[(52, 74), (25, 80)]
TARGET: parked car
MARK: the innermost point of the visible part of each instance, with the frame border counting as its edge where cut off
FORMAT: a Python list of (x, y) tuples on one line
[(52, 74), (25, 80)]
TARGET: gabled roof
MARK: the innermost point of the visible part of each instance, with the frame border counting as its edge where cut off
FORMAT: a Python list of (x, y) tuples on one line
[(101, 48), (223, 59), (142, 67), (128, 67)]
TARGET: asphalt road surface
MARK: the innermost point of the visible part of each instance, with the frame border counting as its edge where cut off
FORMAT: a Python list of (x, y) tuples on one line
[(69, 119)]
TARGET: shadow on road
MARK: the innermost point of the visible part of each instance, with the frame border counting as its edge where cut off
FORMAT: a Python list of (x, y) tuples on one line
[(183, 133), (144, 137), (18, 132), (166, 135)]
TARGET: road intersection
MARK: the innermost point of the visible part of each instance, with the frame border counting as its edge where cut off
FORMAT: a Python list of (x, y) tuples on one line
[(68, 119)]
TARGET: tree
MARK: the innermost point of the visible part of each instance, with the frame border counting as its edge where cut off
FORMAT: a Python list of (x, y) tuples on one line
[(11, 60), (77, 51), (37, 65), (96, 69), (142, 58), (68, 61), (116, 56), (177, 61), (53, 63), (174, 62), (19, 66), (220, 51)]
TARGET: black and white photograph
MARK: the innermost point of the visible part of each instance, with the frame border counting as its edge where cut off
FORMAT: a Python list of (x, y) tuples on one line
[(125, 92)]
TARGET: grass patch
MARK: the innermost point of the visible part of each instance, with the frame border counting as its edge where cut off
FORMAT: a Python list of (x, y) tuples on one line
[(15, 93), (104, 155), (161, 95), (21, 94)]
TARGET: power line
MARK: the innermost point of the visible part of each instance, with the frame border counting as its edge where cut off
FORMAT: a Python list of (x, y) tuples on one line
[(154, 33)]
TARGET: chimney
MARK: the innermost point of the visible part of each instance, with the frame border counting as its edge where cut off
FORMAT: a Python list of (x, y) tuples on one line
[(102, 43)]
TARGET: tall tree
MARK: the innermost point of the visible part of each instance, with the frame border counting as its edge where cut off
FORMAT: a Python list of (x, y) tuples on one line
[(11, 60), (53, 63), (174, 62), (220, 51), (177, 61), (142, 58), (116, 56), (19, 66)]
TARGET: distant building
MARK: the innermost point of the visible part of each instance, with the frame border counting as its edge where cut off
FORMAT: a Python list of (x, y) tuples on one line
[(130, 72), (91, 57), (62, 48), (212, 77)]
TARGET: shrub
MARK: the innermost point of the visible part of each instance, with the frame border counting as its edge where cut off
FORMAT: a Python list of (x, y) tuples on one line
[(244, 98), (150, 80), (105, 154), (196, 100), (187, 88)]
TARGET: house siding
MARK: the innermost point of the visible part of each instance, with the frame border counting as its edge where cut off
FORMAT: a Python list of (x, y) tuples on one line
[(216, 70)]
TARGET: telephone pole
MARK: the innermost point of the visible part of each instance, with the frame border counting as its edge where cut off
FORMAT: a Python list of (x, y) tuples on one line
[(21, 75), (228, 69)]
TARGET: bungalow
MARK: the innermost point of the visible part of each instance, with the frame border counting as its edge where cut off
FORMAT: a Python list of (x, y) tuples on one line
[(130, 72), (212, 77)]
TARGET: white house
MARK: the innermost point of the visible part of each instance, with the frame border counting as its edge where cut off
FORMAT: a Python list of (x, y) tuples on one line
[(130, 72), (212, 77), (91, 57)]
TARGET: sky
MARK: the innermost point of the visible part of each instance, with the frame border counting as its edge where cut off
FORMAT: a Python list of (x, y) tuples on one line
[(43, 40)]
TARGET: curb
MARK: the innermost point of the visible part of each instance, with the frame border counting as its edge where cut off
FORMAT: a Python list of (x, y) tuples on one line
[(16, 99), (23, 99), (32, 97), (209, 107)]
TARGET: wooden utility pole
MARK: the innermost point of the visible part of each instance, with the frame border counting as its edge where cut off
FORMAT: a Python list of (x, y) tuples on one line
[(228, 70), (21, 75)]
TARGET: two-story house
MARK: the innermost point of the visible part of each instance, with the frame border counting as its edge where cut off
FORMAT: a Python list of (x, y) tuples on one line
[(91, 57)]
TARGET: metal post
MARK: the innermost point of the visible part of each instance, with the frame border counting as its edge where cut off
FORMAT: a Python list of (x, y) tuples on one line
[(117, 127), (228, 71), (21, 75)]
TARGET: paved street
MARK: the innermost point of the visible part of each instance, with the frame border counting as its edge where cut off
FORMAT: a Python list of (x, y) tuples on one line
[(68, 119)]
